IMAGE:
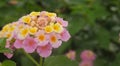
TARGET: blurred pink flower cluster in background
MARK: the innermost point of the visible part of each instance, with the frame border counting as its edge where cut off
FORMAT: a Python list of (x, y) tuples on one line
[(71, 54), (87, 57)]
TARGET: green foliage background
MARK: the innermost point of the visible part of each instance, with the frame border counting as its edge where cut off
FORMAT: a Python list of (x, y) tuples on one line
[(93, 24)]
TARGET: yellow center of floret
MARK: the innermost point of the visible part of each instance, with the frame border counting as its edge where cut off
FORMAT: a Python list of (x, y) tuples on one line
[(41, 37), (53, 39)]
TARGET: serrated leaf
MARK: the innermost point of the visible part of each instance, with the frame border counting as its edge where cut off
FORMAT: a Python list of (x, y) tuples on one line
[(8, 63), (59, 61)]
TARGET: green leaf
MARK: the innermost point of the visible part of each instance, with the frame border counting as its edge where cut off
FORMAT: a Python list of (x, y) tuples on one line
[(116, 62), (2, 42), (100, 62), (59, 61), (2, 50), (2, 46), (103, 37), (8, 63), (26, 62), (76, 23)]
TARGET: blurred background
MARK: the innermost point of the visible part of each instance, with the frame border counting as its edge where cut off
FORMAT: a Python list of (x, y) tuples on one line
[(93, 25)]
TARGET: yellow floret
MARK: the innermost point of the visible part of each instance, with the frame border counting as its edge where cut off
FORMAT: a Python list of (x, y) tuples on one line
[(57, 28), (12, 28), (8, 35), (6, 28), (26, 19), (32, 30), (24, 32), (51, 14), (48, 29), (34, 13)]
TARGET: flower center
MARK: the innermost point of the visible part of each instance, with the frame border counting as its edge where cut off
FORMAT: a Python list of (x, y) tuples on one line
[(41, 37), (53, 39)]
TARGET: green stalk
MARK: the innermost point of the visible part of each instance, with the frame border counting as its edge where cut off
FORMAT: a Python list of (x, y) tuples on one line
[(31, 58), (41, 61)]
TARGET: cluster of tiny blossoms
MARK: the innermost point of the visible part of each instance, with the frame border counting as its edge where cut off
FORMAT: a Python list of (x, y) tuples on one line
[(71, 54), (36, 32), (87, 57)]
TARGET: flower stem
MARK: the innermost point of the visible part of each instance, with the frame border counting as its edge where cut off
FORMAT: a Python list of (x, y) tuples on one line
[(31, 58), (41, 61)]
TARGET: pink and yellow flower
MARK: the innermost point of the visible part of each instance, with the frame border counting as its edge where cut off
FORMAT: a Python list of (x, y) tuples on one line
[(57, 28), (41, 38), (24, 32), (44, 51), (39, 31), (54, 40)]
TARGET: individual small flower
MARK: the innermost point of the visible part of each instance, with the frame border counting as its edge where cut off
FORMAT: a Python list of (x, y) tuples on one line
[(51, 16), (23, 33), (6, 28), (9, 35), (41, 38), (86, 63), (26, 19), (65, 36), (34, 13), (54, 40), (32, 30), (62, 22), (18, 43), (44, 51), (57, 28), (48, 29), (29, 44), (88, 55), (8, 55), (71, 54)]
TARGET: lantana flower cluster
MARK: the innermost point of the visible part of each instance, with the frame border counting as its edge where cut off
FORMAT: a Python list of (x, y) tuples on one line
[(36, 32), (87, 57), (71, 54)]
